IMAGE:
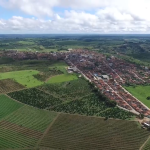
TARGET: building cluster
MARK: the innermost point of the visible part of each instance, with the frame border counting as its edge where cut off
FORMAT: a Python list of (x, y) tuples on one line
[(18, 55), (110, 74)]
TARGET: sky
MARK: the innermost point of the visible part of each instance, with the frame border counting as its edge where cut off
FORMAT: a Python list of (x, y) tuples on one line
[(75, 16)]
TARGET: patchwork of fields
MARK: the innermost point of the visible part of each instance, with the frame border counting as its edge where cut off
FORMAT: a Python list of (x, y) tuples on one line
[(79, 132), (9, 85), (74, 97), (25, 127), (36, 114)]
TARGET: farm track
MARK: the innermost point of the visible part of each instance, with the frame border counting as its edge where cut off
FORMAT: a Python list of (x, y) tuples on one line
[(47, 130), (141, 148)]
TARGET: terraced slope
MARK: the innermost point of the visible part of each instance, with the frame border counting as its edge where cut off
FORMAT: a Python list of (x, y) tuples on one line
[(79, 132)]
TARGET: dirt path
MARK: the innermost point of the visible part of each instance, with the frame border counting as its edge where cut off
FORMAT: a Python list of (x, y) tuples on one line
[(46, 131), (144, 143)]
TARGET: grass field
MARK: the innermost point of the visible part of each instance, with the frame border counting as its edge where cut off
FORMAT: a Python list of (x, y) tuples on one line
[(87, 133), (24, 77), (62, 78), (59, 66), (140, 92)]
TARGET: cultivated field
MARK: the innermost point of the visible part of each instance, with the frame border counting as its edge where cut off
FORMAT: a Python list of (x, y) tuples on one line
[(79, 132), (24, 77), (9, 85), (7, 106), (75, 97), (140, 92), (21, 126)]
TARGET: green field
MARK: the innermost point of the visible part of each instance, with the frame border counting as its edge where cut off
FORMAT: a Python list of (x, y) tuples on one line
[(62, 78), (21, 126), (7, 106), (59, 66), (140, 92), (32, 118), (24, 77)]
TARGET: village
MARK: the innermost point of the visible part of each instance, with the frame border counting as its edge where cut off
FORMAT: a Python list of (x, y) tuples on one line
[(109, 74)]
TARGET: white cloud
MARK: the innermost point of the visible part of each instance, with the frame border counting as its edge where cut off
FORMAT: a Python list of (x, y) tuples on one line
[(111, 16)]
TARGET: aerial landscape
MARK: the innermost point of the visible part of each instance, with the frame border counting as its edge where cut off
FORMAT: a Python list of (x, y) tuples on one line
[(74, 76)]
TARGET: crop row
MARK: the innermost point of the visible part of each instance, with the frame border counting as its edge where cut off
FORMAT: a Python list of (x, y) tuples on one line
[(80, 132), (147, 145), (32, 118), (9, 85), (7, 106)]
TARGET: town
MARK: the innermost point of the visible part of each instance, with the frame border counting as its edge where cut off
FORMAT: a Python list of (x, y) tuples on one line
[(108, 73)]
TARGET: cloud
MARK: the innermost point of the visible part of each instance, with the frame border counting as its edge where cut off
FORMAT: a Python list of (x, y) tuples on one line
[(109, 16), (76, 22)]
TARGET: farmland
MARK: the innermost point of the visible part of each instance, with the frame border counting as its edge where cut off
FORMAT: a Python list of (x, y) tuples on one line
[(36, 98), (79, 132), (75, 97), (7, 106), (140, 92), (9, 85), (21, 126), (24, 77)]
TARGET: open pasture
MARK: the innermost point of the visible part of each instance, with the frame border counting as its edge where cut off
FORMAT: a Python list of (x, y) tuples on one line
[(80, 132), (62, 78), (24, 77), (141, 93)]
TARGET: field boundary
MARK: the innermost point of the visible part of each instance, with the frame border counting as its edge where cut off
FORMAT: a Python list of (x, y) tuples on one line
[(141, 148), (37, 145)]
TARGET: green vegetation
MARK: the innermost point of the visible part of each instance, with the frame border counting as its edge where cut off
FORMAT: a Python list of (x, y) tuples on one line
[(62, 78), (21, 126), (140, 92), (147, 145), (60, 66), (24, 77), (7, 106), (75, 97), (36, 98), (32, 118), (10, 138), (80, 132)]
